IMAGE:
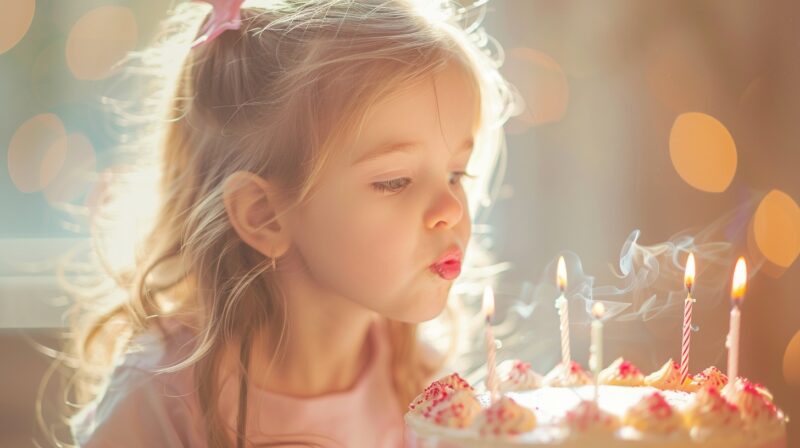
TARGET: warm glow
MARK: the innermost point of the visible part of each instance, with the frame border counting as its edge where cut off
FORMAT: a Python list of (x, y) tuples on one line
[(488, 302), (561, 274), (15, 22), (688, 277), (598, 310), (542, 84), (100, 39), (739, 281), (776, 226), (680, 74), (703, 152), (77, 171)]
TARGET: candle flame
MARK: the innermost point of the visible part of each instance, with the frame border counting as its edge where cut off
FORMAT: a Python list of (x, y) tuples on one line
[(688, 278), (561, 274), (488, 301), (739, 281), (598, 309)]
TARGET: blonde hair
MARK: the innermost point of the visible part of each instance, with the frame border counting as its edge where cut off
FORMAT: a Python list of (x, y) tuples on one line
[(272, 98)]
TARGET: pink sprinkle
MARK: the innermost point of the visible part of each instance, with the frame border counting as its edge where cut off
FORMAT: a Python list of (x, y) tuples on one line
[(627, 369)]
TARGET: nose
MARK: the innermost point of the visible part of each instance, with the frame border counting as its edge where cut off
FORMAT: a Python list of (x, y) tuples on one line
[(446, 210)]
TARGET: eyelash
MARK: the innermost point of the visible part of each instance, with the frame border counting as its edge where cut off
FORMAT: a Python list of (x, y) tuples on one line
[(390, 186)]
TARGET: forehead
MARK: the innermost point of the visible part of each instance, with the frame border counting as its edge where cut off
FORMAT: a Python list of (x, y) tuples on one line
[(441, 109)]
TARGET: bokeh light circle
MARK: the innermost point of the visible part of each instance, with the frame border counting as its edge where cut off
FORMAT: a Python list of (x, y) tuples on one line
[(15, 20), (100, 39), (791, 361), (703, 152), (776, 226), (36, 152)]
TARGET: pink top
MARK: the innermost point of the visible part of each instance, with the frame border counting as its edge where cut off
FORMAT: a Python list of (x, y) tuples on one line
[(143, 409)]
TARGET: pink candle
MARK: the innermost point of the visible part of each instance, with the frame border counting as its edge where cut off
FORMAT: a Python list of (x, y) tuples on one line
[(491, 375), (737, 295), (687, 317)]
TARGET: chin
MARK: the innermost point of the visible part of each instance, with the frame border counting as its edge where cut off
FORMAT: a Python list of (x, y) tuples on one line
[(422, 308)]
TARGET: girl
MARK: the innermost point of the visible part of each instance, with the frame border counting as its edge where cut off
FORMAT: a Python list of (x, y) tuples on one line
[(311, 213)]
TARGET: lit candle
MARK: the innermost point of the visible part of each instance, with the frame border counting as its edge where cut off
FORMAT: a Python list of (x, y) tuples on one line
[(563, 312), (491, 375), (596, 347), (688, 280), (738, 288)]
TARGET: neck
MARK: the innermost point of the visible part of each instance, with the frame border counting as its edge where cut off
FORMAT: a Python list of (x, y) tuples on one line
[(324, 346)]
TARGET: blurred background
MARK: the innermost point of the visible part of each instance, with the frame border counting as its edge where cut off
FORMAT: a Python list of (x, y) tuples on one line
[(651, 128)]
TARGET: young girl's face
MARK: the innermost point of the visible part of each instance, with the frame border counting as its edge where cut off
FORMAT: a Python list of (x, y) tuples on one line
[(388, 223)]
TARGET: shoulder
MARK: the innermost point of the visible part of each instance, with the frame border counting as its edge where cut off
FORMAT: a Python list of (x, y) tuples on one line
[(142, 406)]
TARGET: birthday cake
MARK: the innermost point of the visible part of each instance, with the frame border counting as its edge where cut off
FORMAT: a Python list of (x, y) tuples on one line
[(626, 408)]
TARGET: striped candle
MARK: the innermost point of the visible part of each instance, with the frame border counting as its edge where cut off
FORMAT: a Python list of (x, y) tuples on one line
[(687, 335), (687, 318)]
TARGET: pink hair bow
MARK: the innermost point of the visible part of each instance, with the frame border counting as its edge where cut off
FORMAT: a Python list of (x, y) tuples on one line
[(225, 15)]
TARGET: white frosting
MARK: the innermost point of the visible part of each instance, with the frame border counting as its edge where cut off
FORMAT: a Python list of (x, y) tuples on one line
[(518, 375), (550, 406)]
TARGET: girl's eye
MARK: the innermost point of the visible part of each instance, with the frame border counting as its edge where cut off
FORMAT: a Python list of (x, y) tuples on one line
[(457, 176), (401, 183), (392, 185)]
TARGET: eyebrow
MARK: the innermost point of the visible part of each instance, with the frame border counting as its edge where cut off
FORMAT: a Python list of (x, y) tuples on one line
[(407, 147)]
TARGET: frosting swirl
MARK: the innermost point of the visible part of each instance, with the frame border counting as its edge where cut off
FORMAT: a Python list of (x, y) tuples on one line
[(505, 417), (710, 377), (668, 377), (437, 391), (757, 410), (652, 414), (448, 401), (458, 410), (572, 375), (432, 395), (710, 412), (455, 381), (587, 417), (518, 376), (621, 373)]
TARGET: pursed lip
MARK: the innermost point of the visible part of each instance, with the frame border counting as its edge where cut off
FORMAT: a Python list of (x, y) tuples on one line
[(448, 265)]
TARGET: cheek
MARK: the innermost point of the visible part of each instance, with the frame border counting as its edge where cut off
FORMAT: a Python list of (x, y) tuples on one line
[(359, 247), (375, 249)]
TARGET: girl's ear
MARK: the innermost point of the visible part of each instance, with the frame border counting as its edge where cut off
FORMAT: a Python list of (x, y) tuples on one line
[(254, 209)]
